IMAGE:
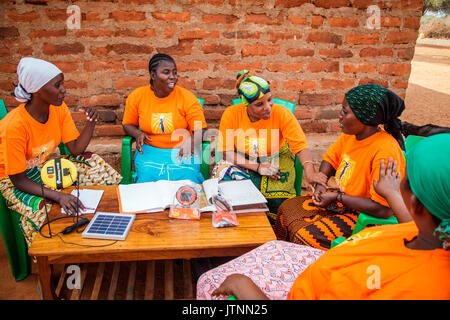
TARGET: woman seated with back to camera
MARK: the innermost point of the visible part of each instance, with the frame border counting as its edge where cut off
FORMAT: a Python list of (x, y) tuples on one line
[(355, 160), (167, 122), (254, 135), (31, 132)]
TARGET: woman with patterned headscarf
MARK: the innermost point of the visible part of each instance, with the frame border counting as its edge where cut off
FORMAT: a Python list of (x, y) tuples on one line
[(262, 138), (354, 159)]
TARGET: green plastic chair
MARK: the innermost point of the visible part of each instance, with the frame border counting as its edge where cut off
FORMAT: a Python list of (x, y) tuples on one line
[(298, 166), (365, 219), (129, 174)]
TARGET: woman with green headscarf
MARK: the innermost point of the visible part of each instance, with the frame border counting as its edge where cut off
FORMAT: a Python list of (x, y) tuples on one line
[(259, 140), (355, 160)]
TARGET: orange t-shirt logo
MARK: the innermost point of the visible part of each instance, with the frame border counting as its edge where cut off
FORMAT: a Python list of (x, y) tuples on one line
[(344, 172), (40, 154), (162, 123)]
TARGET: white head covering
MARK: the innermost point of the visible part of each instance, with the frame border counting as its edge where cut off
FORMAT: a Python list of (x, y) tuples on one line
[(32, 75)]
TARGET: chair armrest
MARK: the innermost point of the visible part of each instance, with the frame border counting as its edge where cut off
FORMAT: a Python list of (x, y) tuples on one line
[(63, 149), (127, 160), (365, 219), (298, 177), (206, 157)]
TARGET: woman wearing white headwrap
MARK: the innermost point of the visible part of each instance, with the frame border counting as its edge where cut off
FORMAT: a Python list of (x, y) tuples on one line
[(31, 132)]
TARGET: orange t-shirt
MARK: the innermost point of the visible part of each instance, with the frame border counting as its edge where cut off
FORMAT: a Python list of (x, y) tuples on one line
[(357, 162), (376, 264), (160, 117), (26, 143), (263, 137)]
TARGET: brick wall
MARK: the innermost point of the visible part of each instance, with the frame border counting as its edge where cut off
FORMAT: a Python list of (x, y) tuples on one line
[(310, 51)]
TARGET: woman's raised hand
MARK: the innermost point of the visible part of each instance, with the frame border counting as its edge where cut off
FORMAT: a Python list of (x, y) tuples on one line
[(389, 181), (91, 114), (140, 141)]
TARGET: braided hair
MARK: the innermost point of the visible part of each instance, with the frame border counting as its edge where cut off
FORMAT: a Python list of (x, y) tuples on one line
[(156, 60)]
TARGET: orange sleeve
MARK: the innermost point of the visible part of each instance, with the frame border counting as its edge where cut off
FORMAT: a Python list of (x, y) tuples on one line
[(69, 130), (15, 144), (303, 287), (334, 152), (387, 150), (292, 131), (193, 112), (226, 124), (131, 113)]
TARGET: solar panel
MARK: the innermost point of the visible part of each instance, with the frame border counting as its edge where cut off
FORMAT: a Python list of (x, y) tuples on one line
[(112, 226)]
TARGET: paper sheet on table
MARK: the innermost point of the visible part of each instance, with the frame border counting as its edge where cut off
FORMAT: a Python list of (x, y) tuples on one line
[(90, 198)]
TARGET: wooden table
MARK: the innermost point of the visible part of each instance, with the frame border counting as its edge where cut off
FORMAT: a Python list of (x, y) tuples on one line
[(153, 236)]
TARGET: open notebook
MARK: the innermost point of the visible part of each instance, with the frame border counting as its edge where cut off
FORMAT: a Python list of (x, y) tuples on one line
[(242, 194)]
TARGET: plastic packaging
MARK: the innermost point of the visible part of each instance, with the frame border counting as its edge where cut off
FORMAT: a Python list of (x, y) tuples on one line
[(224, 215), (186, 203)]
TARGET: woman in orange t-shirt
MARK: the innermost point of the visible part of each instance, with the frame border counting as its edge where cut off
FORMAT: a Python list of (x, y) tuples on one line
[(167, 122), (31, 132), (355, 160), (263, 139), (393, 262)]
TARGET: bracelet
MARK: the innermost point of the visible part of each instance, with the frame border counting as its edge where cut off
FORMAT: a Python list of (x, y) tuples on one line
[(339, 196), (257, 169), (307, 161)]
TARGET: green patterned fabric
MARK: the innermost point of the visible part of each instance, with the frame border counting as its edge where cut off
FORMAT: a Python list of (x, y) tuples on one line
[(250, 87), (365, 100)]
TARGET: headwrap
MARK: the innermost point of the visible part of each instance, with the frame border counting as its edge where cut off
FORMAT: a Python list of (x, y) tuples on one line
[(373, 104), (428, 168), (250, 87), (32, 75)]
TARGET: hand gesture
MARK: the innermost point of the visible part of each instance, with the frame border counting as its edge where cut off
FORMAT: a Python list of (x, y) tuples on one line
[(389, 179), (318, 191), (270, 170), (186, 149), (68, 202), (140, 141), (91, 114), (324, 200)]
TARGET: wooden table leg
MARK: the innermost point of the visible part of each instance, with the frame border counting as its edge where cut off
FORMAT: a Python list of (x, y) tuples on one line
[(45, 279)]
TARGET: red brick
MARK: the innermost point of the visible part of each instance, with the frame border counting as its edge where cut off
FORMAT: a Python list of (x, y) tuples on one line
[(316, 21), (362, 38), (215, 83), (56, 15), (218, 48), (411, 22), (375, 52), (335, 126), (324, 37), (9, 32), (217, 3), (172, 16), (137, 1), (326, 66), (401, 37), (103, 100), (366, 67), (198, 34), (13, 15), (336, 53), (186, 83), (4, 52), (108, 130), (362, 4), (46, 33), (317, 99), (314, 126), (302, 114), (259, 50), (326, 114), (300, 52), (399, 84), (91, 16), (101, 65), (405, 53), (128, 15), (219, 18), (71, 84), (93, 33), (145, 33), (264, 19), (213, 113), (238, 66), (63, 49), (343, 22), (66, 67), (380, 82), (331, 3), (242, 35), (210, 99), (395, 69), (337, 84), (412, 5), (99, 52), (7, 85), (183, 48), (284, 67), (297, 20), (131, 82), (276, 36), (299, 85), (137, 65), (192, 66), (390, 21), (25, 50), (128, 48), (290, 3)]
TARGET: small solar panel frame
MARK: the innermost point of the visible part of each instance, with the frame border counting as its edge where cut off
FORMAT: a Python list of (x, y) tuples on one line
[(101, 227)]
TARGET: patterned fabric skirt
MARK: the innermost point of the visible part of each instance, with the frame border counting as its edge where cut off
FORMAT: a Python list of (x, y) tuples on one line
[(273, 267), (275, 191), (92, 170), (300, 222)]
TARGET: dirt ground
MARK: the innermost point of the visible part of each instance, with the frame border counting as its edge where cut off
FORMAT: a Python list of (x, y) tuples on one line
[(427, 101)]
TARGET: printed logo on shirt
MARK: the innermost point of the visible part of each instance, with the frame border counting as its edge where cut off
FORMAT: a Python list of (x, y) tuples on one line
[(40, 154), (256, 146), (344, 172), (353, 240), (162, 123)]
